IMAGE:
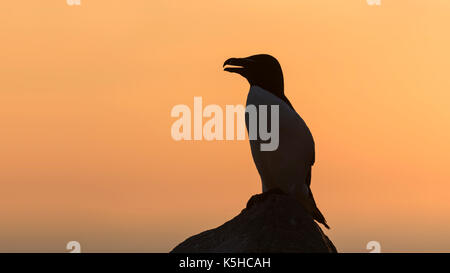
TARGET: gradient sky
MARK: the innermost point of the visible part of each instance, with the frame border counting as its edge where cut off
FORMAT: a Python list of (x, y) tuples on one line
[(86, 94)]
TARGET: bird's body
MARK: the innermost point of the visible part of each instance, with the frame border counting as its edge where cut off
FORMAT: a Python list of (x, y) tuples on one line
[(295, 153), (289, 166)]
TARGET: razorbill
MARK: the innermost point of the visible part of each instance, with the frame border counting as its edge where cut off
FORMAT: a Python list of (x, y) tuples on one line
[(287, 168)]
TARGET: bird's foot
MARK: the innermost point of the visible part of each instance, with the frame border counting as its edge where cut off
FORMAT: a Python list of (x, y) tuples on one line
[(263, 196)]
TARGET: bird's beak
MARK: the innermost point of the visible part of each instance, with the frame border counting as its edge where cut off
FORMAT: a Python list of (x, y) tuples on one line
[(237, 65)]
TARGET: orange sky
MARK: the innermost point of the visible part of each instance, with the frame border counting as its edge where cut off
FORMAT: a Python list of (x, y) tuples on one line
[(86, 94)]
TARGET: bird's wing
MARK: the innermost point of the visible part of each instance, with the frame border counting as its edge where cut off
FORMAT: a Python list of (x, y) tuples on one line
[(296, 134), (302, 125)]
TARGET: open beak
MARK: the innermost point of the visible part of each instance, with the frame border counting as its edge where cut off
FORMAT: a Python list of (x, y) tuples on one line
[(237, 65)]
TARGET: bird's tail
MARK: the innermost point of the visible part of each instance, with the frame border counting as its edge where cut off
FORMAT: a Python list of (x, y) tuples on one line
[(311, 204), (318, 216), (315, 212)]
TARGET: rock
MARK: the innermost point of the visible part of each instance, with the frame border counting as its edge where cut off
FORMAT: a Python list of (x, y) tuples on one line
[(271, 223)]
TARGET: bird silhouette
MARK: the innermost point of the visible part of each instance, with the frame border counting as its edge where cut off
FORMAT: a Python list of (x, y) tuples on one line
[(287, 168)]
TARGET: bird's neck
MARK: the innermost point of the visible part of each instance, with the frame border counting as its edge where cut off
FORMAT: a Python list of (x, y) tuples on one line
[(279, 94)]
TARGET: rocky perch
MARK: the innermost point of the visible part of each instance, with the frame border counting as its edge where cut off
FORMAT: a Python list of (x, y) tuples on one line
[(271, 223)]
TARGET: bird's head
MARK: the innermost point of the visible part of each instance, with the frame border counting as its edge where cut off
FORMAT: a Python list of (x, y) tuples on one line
[(262, 70)]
